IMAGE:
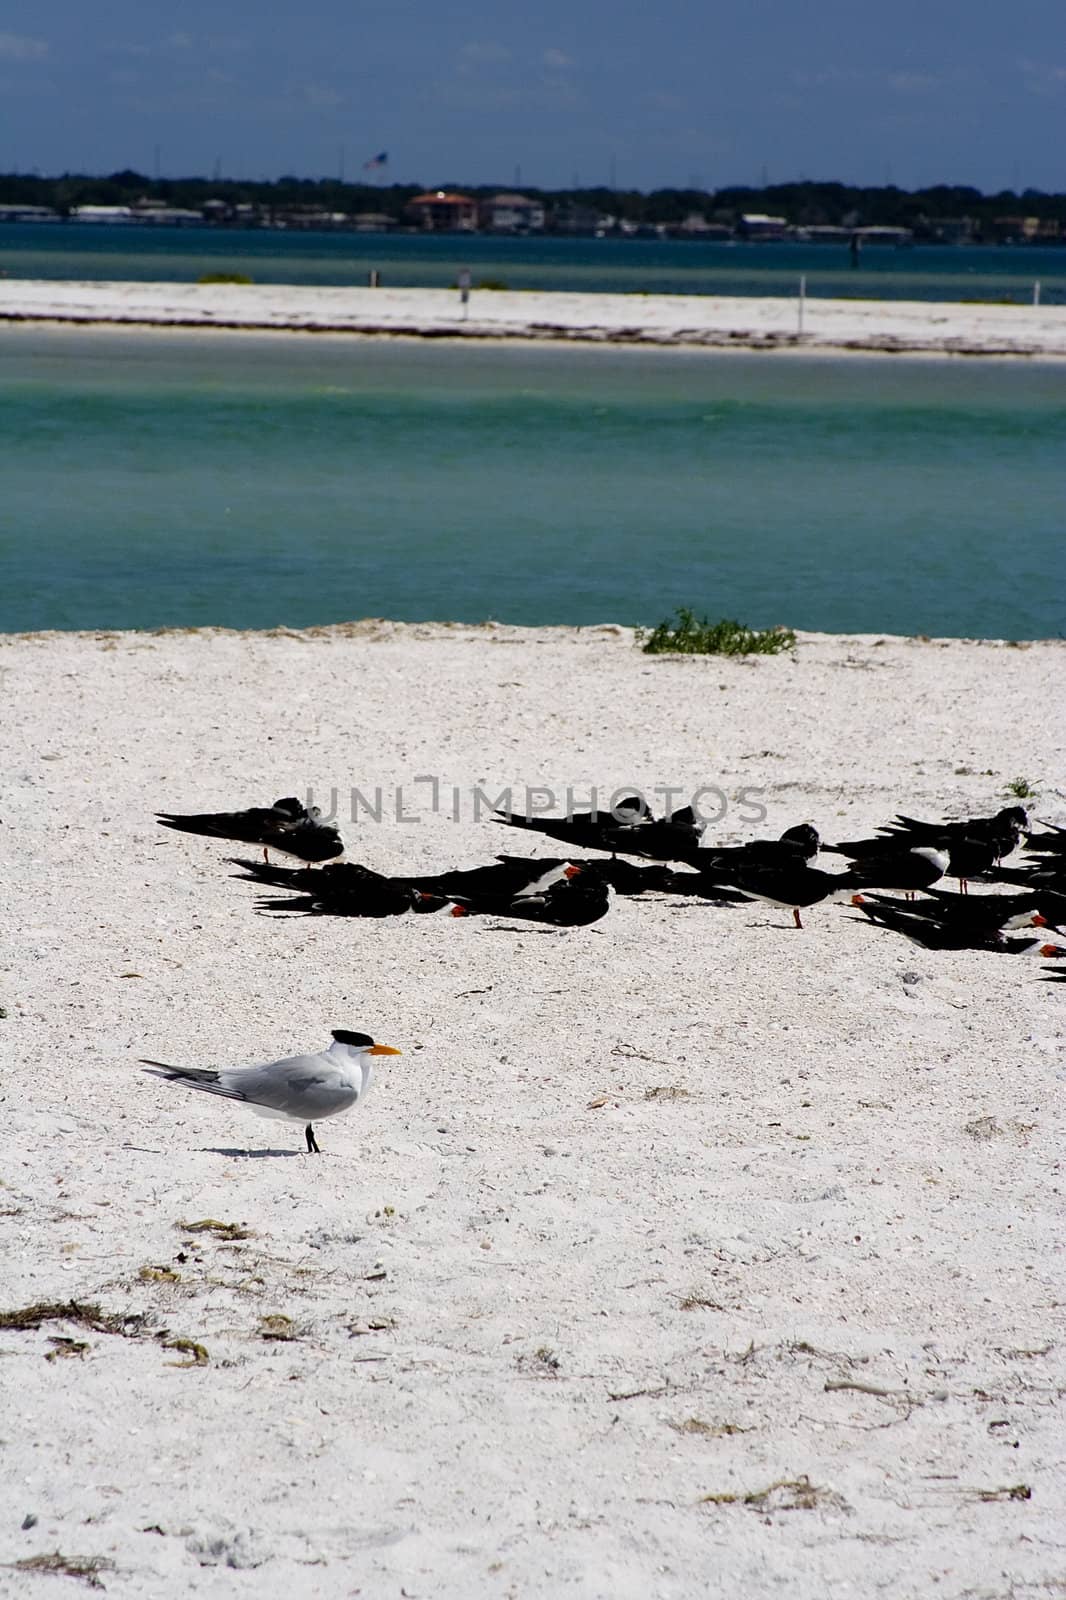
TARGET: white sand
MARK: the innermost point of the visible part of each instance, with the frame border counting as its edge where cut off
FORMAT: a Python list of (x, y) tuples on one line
[(671, 320), (686, 1164)]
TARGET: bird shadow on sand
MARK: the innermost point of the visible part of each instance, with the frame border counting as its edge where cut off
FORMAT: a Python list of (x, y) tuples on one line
[(247, 1155)]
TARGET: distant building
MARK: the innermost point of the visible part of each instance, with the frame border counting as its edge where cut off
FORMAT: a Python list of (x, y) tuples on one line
[(21, 213), (824, 233), (373, 221), (952, 230), (880, 235), (1022, 230), (443, 212), (160, 214), (512, 213), (757, 225), (696, 226), (109, 214), (315, 217), (571, 217)]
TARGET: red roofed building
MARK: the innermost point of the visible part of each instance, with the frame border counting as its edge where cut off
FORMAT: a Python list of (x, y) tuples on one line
[(443, 212)]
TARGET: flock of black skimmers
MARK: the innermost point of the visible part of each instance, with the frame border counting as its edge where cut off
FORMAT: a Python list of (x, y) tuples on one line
[(894, 878)]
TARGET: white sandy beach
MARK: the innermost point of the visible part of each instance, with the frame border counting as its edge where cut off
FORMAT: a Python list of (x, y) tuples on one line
[(714, 322), (685, 1254)]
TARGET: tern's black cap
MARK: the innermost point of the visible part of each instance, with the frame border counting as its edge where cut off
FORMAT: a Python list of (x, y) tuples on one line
[(343, 1037)]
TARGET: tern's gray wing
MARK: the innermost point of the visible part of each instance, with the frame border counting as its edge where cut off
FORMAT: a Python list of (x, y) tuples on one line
[(300, 1086)]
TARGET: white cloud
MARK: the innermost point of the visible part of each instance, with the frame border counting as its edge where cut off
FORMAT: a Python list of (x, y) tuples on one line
[(141, 51), (18, 47), (482, 53), (913, 82), (662, 100), (319, 96), (1043, 77)]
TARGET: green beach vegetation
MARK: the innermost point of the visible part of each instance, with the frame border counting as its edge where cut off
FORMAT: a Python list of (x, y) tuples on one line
[(689, 635)]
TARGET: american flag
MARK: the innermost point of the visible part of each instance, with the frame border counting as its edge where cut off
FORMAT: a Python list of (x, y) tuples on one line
[(380, 160)]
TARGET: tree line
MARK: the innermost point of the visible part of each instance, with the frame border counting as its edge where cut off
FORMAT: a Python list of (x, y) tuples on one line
[(804, 203)]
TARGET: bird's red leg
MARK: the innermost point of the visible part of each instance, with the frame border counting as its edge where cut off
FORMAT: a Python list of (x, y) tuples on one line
[(796, 917)]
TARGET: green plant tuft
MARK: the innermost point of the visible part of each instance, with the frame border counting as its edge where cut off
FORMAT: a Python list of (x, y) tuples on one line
[(486, 283), (690, 635), (224, 277), (1021, 789)]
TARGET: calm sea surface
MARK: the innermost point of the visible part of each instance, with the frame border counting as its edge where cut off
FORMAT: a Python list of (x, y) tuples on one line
[(187, 479), (600, 266)]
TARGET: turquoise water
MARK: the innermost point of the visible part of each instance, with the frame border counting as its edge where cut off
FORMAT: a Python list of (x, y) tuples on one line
[(184, 479), (601, 266)]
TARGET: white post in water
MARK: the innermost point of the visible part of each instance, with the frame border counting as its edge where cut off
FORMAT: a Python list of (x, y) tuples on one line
[(1036, 292), (464, 291), (802, 298)]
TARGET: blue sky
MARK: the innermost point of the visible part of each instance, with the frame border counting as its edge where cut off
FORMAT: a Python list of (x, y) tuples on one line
[(733, 91)]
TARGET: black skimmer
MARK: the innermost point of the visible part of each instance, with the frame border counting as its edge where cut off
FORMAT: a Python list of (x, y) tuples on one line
[(507, 878), (946, 934), (1052, 843), (628, 829), (796, 845), (303, 1089), (573, 900), (993, 913), (529, 874), (1005, 828), (590, 830), (287, 826), (1001, 832), (340, 889), (1053, 952), (974, 846), (1047, 883), (624, 877), (672, 838), (906, 870), (791, 885)]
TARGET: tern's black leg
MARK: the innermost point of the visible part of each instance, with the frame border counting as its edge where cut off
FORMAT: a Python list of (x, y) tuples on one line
[(312, 1142)]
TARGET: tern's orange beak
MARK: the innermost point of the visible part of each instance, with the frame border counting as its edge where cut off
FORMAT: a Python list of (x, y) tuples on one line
[(384, 1050)]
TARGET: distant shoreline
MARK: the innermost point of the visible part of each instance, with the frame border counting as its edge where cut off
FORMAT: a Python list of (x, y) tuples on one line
[(693, 322), (598, 635)]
